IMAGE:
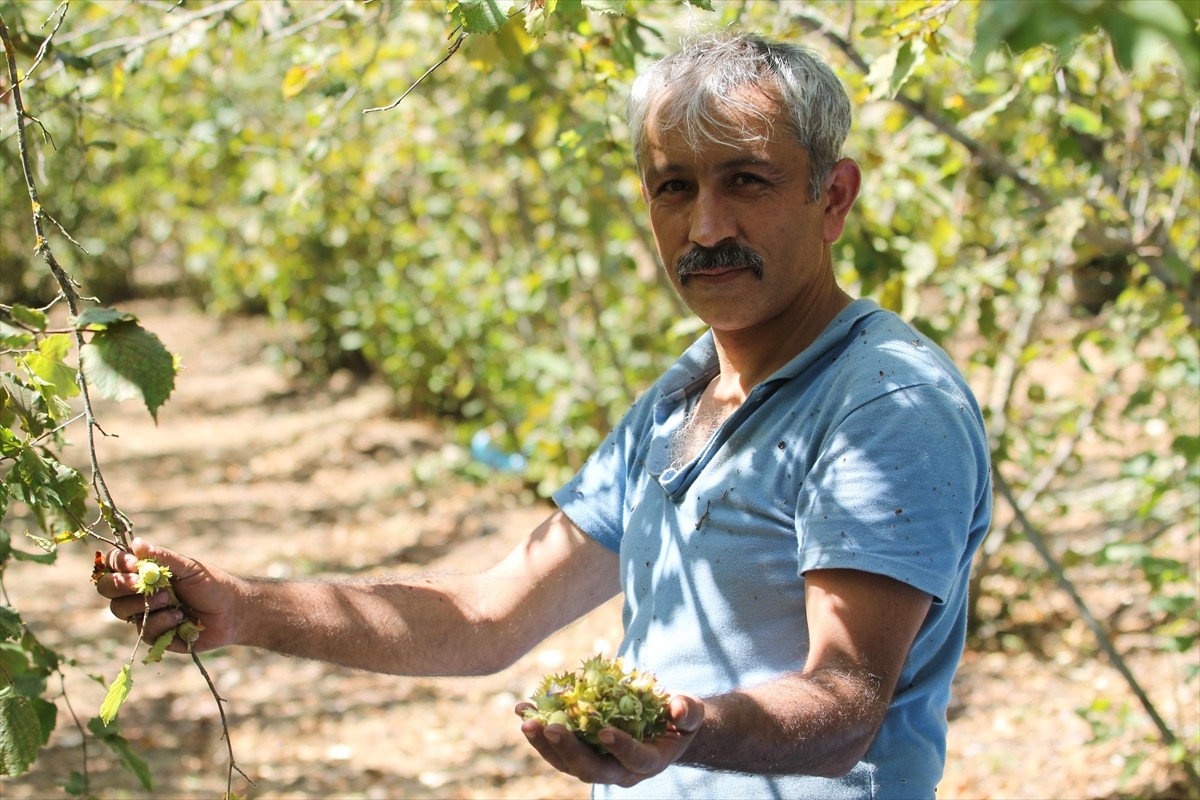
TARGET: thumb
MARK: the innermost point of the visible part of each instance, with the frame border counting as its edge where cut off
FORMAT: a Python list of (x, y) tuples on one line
[(687, 713), (181, 566)]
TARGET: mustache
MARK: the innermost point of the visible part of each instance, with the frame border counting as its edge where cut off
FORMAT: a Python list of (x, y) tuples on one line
[(724, 256)]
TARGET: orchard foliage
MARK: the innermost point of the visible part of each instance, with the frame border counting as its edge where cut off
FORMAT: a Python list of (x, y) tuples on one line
[(1030, 200)]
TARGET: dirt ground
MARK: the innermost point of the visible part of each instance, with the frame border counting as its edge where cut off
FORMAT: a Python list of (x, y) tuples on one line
[(253, 471)]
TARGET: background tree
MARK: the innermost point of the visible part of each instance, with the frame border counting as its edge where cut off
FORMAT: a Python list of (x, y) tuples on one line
[(1030, 201)]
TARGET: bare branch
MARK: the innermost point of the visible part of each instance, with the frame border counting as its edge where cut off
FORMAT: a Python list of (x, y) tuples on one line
[(314, 19), (462, 35), (129, 43)]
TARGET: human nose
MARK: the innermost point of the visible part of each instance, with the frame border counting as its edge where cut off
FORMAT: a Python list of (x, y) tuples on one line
[(711, 221)]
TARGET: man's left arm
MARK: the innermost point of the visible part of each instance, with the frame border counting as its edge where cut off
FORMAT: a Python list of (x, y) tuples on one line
[(817, 722)]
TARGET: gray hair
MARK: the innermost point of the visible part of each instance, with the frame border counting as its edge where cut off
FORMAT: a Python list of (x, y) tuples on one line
[(695, 90)]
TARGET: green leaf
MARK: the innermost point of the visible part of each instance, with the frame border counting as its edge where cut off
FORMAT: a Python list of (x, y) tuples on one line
[(10, 623), (127, 361), (20, 733), (13, 338), (616, 7), (108, 733), (485, 16), (47, 714), (118, 691), (30, 317), (49, 365), (1083, 120), (1187, 446), (99, 318), (76, 785), (908, 57), (24, 402), (160, 646)]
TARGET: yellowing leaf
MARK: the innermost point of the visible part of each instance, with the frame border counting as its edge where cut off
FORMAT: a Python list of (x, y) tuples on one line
[(118, 690), (48, 364), (159, 647), (295, 80)]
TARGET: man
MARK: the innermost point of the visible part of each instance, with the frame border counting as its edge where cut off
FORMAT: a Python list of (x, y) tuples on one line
[(790, 511)]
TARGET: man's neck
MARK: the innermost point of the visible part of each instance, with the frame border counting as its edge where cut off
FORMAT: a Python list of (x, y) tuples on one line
[(748, 357)]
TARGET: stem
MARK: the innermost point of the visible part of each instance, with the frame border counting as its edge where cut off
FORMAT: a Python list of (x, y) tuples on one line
[(62, 679), (212, 687), (462, 36), (119, 523)]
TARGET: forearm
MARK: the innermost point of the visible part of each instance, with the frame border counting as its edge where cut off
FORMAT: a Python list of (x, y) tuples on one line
[(819, 723), (417, 626)]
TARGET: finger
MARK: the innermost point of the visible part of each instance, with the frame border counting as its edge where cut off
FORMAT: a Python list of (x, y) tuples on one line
[(117, 584), (157, 623), (580, 760), (132, 606), (121, 561), (686, 713), (535, 733)]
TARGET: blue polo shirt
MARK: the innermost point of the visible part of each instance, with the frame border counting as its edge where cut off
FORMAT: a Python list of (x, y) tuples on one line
[(867, 451)]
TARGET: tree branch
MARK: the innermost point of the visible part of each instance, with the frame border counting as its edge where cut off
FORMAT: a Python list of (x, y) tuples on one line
[(119, 523), (462, 36)]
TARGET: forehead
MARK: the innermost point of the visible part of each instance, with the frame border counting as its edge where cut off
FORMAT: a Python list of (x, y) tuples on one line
[(746, 121)]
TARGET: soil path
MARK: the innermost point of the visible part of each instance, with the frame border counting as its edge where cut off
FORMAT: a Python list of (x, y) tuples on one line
[(253, 472)]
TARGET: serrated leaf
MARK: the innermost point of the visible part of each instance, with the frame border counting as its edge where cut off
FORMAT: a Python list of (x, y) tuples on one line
[(99, 318), (30, 317), (20, 733), (24, 402), (42, 542), (118, 691), (13, 338), (10, 623), (159, 647), (127, 361), (48, 363), (485, 16)]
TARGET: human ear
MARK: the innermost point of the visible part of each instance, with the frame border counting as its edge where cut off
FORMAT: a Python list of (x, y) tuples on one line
[(841, 190)]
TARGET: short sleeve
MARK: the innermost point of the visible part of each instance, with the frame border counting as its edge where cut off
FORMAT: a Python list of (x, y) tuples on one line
[(594, 498), (894, 489)]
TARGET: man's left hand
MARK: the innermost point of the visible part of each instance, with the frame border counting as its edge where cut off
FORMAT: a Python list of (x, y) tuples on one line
[(628, 761)]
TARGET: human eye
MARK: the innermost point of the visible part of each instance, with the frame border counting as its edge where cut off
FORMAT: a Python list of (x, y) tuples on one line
[(744, 179), (671, 186)]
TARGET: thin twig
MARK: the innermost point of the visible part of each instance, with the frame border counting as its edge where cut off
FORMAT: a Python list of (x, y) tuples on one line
[(462, 36), (62, 679), (119, 523), (212, 687), (130, 43), (307, 22)]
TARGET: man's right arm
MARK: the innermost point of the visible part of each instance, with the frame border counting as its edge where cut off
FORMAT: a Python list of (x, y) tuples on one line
[(423, 624)]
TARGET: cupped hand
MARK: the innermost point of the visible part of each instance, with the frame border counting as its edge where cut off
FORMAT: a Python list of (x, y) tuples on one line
[(205, 595), (628, 761)]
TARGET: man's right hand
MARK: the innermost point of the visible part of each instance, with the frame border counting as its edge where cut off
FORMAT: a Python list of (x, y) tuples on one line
[(208, 596)]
